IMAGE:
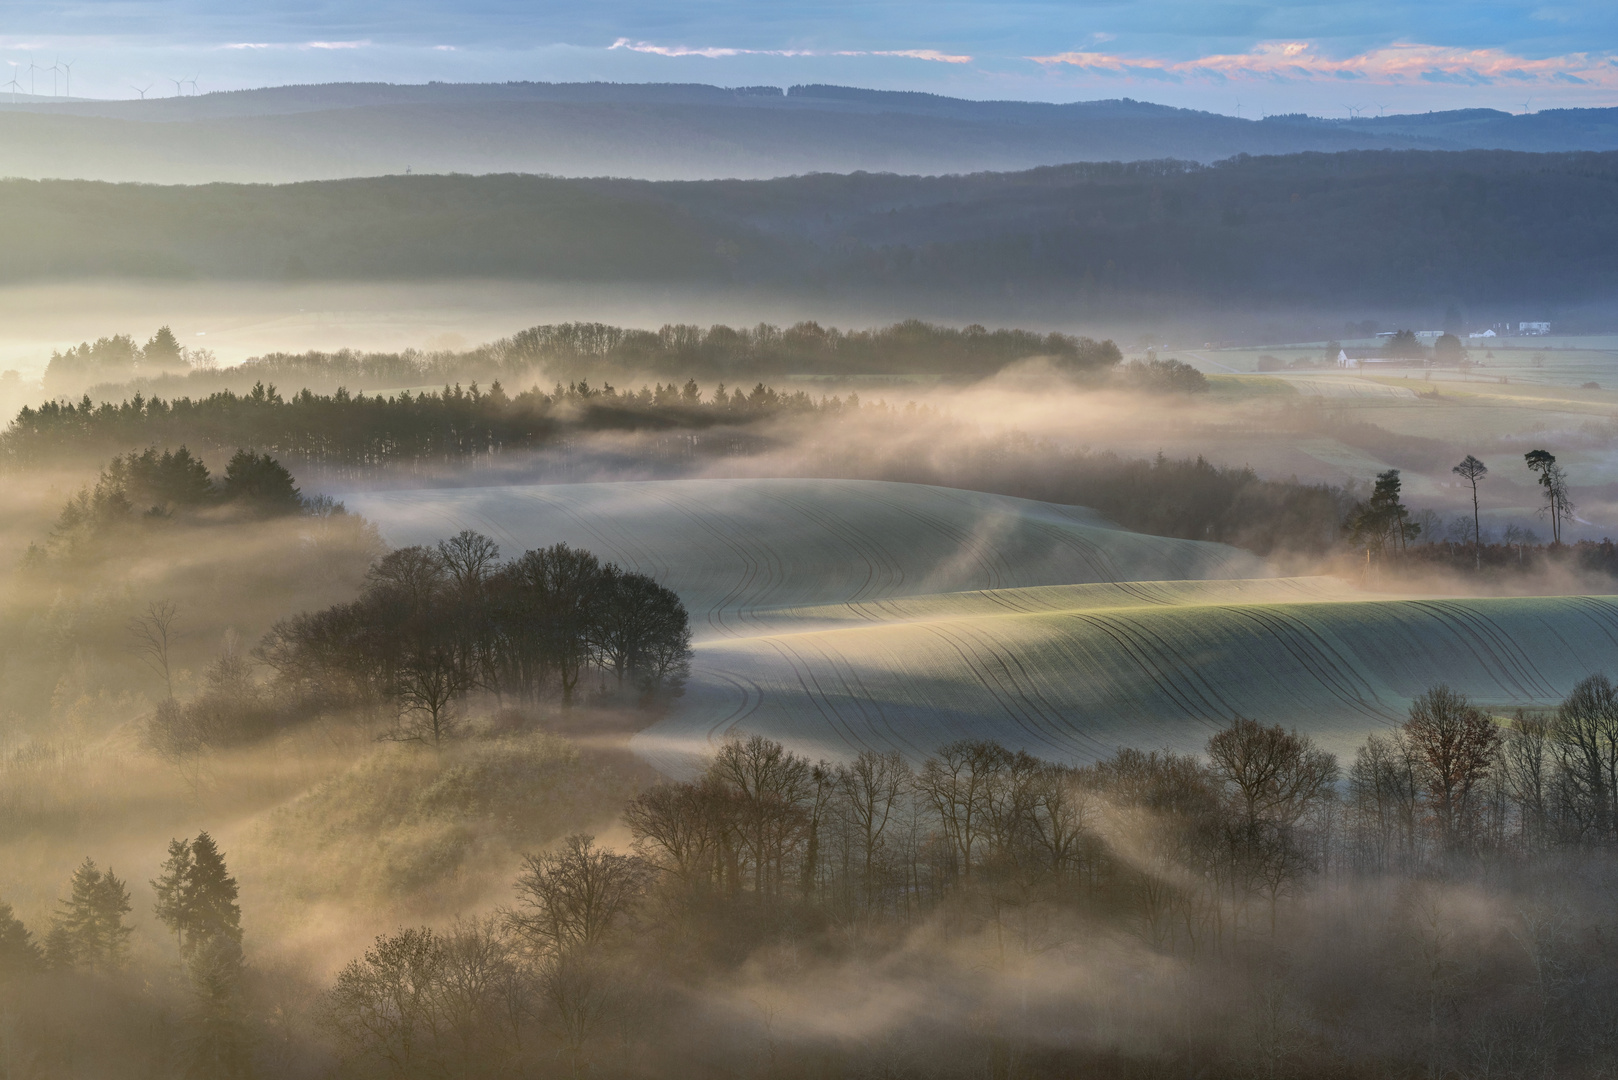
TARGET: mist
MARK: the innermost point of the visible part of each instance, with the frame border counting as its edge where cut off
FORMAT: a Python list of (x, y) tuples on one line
[(452, 679)]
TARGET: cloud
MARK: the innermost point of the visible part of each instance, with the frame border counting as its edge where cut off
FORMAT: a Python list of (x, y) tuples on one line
[(714, 52), (1286, 61), (336, 44)]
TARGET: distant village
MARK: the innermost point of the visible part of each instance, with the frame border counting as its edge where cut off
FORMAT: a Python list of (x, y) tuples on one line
[(1402, 348)]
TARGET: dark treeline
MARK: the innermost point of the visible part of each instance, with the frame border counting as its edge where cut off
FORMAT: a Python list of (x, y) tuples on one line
[(1439, 908), (1394, 227), (432, 629), (151, 488), (580, 351), (344, 432), (1336, 916)]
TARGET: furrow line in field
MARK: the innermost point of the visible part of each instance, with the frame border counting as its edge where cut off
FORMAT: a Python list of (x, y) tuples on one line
[(1018, 713), (1602, 612), (1025, 685), (861, 544), (751, 567), (591, 525), (751, 696), (824, 704), (1486, 639), (1153, 654), (983, 657), (1335, 673), (997, 572)]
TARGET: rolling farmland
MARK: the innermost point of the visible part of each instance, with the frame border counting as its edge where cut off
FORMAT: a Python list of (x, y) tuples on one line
[(842, 615), (738, 550)]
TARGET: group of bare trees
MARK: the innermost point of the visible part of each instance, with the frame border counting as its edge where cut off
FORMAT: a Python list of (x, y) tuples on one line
[(434, 625), (1219, 860), (1454, 783)]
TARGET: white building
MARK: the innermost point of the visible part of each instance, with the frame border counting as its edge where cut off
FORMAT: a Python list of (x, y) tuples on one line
[(1533, 329)]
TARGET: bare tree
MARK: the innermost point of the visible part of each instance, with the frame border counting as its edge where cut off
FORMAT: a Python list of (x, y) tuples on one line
[(1472, 470), (958, 784), (1585, 737), (1455, 747), (1273, 775), (576, 895), (428, 687), (871, 788), (154, 634)]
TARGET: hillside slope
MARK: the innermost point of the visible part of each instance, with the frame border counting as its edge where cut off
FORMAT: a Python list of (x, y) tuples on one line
[(684, 132), (743, 554), (1367, 227), (1078, 684)]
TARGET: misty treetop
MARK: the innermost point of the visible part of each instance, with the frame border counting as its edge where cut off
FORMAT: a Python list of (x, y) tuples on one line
[(116, 358), (436, 625), (593, 351), (148, 486), (360, 431)]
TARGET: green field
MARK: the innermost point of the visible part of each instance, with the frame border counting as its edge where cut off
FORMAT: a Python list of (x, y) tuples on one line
[(842, 615), (1079, 684), (737, 549)]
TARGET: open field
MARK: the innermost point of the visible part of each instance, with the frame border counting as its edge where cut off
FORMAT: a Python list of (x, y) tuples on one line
[(736, 549), (1079, 684), (837, 616)]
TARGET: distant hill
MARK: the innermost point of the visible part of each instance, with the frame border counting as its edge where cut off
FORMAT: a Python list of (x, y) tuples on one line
[(679, 131), (1363, 227)]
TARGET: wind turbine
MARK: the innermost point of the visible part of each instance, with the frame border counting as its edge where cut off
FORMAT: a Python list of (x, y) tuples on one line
[(141, 90), (1525, 107), (179, 87), (192, 82), (15, 84), (1381, 109), (67, 73), (1354, 111)]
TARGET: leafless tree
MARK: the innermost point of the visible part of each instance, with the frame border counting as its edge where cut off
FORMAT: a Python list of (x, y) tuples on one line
[(576, 895), (871, 788), (154, 634), (1455, 747)]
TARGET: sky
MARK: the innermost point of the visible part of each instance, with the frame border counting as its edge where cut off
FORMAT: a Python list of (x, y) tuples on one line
[(1226, 56)]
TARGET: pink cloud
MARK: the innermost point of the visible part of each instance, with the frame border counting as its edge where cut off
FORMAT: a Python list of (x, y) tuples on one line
[(1402, 63)]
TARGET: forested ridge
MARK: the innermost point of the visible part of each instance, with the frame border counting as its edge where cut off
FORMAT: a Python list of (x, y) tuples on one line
[(1358, 226)]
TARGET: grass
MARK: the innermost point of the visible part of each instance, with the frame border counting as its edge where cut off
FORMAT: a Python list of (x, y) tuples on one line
[(1079, 683), (734, 548)]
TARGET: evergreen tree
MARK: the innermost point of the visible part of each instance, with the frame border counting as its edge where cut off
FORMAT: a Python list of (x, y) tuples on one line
[(262, 484), (20, 954), (196, 896), (163, 353), (215, 1046), (92, 921), (173, 888), (214, 911)]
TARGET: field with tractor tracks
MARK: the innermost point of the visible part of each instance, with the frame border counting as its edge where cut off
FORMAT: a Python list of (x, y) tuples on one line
[(837, 616)]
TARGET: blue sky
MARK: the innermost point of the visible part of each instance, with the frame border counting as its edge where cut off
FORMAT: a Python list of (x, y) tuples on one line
[(1222, 56)]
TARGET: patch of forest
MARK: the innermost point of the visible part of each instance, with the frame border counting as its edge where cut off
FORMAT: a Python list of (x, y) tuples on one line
[(977, 911), (1360, 226)]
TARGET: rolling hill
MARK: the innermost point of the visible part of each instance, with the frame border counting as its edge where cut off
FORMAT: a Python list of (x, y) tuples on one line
[(1333, 231), (837, 616), (1078, 684), (743, 554), (684, 132)]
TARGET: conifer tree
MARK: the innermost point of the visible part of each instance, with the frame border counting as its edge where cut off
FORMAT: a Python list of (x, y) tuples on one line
[(196, 896), (92, 921), (173, 888), (20, 954)]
